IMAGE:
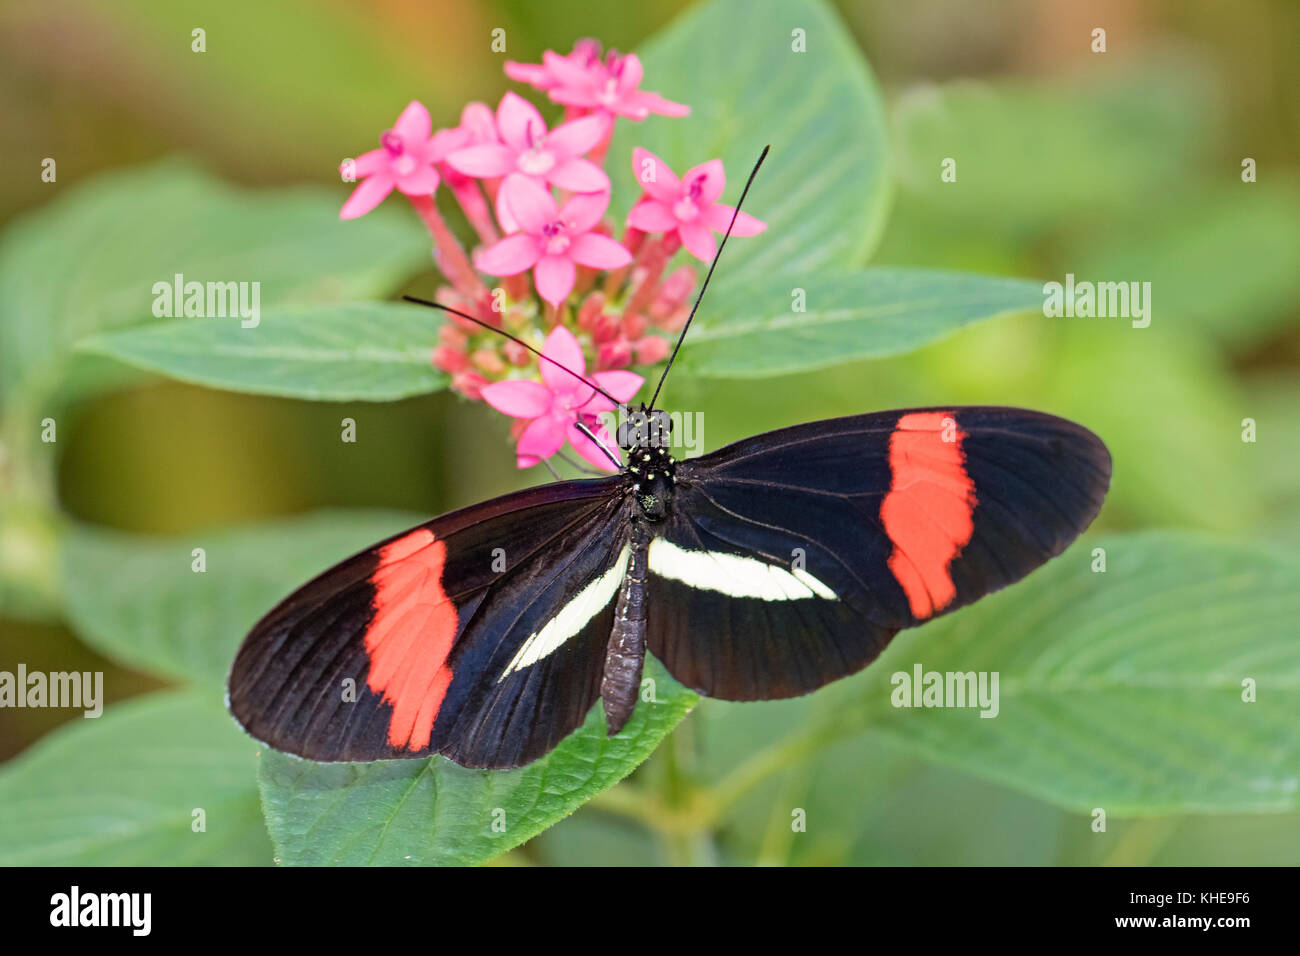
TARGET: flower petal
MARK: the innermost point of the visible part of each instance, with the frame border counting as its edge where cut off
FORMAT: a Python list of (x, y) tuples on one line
[(630, 73), (542, 438), (507, 221), (367, 196), (595, 251), (654, 103), (518, 398), (712, 177), (597, 404), (583, 211), (510, 256), (554, 277), (445, 142), (367, 164), (530, 203), (519, 122), (577, 137), (655, 177), (579, 176), (573, 96), (480, 122), (569, 73), (622, 385), (421, 181), (588, 449), (534, 74), (698, 240), (627, 107), (650, 215), (718, 217), (414, 125), (490, 159), (562, 347)]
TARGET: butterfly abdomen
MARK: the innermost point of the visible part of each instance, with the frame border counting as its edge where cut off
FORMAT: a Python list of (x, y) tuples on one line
[(621, 681)]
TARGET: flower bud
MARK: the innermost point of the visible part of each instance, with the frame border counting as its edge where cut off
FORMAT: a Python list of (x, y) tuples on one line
[(516, 354), (452, 337), (606, 329), (489, 361), (590, 310), (634, 326), (651, 349), (449, 359), (469, 384), (615, 354)]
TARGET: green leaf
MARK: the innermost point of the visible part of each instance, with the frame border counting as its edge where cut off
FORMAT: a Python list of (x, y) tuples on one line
[(137, 599), (368, 351), (1107, 379), (88, 261), (433, 812), (121, 790), (1121, 690), (751, 329), (1240, 242), (259, 99), (823, 190), (1029, 153)]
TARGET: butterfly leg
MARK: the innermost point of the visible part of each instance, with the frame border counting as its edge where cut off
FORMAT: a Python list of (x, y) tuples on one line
[(620, 684), (582, 468)]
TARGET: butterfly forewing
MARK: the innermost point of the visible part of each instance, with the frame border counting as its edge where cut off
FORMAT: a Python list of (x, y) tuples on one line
[(792, 558), (476, 635)]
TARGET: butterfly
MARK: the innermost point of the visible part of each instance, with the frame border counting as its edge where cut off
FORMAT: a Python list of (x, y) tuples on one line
[(763, 570)]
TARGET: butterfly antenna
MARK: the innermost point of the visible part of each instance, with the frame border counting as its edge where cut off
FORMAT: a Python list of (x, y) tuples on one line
[(713, 265), (492, 328)]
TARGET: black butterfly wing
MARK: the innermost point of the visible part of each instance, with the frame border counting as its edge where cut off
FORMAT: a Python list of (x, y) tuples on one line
[(479, 635), (792, 558)]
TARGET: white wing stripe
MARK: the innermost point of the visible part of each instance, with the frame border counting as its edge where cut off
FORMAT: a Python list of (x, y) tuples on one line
[(571, 619), (734, 575)]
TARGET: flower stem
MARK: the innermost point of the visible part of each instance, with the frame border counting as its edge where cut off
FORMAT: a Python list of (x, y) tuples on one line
[(597, 154), (475, 207), (448, 253), (634, 242), (656, 258), (516, 287)]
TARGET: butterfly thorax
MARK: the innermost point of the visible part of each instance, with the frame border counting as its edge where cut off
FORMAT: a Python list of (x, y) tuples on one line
[(645, 435), (651, 470)]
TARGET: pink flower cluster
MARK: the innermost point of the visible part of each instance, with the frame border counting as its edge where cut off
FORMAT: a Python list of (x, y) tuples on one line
[(536, 197)]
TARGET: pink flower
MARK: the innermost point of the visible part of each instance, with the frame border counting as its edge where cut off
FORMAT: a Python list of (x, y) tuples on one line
[(551, 241), (477, 127), (686, 206), (405, 161), (554, 405), (527, 148), (585, 55), (613, 86)]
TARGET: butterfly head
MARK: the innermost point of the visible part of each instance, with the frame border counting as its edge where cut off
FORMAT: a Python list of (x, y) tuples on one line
[(644, 427)]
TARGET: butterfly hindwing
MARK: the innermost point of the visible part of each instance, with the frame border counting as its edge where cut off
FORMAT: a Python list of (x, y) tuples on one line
[(792, 558), (474, 635)]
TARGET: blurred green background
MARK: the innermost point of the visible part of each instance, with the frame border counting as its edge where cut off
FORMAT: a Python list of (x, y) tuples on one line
[(1123, 165)]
